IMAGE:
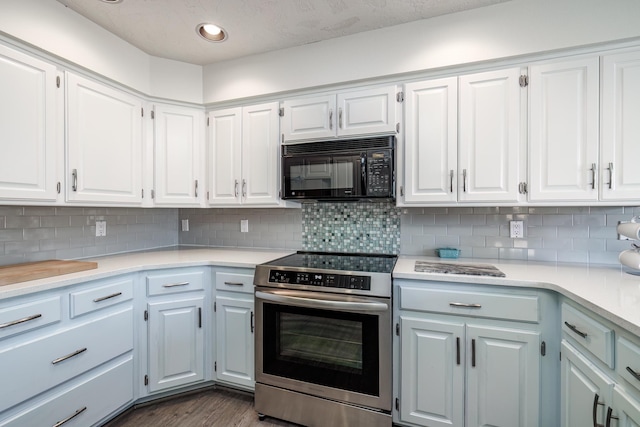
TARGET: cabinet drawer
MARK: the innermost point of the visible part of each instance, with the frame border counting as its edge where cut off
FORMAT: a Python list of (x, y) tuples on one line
[(41, 364), (93, 398), (24, 317), (629, 361), (234, 282), (174, 282), (589, 333), (86, 301), (470, 303)]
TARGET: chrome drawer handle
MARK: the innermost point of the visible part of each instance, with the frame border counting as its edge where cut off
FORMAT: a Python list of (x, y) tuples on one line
[(634, 373), (464, 304), (171, 285), (117, 294), (234, 283), (69, 418), (17, 322), (68, 356), (576, 330)]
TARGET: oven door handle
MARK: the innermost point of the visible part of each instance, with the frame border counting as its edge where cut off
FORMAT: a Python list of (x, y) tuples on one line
[(331, 304)]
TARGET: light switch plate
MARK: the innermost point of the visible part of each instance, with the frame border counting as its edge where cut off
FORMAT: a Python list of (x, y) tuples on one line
[(244, 225), (185, 225)]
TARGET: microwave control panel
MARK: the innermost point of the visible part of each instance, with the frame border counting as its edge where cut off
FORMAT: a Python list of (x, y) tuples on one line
[(345, 281), (379, 173)]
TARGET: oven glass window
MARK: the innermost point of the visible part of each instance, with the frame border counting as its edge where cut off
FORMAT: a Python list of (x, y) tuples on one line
[(329, 348)]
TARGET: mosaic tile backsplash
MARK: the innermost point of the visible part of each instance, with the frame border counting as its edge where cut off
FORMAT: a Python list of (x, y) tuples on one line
[(351, 227)]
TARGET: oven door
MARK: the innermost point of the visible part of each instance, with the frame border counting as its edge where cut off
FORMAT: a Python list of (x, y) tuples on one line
[(323, 176), (328, 345)]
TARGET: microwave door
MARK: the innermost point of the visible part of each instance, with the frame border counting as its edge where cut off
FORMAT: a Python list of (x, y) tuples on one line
[(308, 177)]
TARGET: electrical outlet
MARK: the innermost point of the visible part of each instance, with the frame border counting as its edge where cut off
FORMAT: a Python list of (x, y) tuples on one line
[(185, 225), (516, 229), (101, 228), (244, 225)]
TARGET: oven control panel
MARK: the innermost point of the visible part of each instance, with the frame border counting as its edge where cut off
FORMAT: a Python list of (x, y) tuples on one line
[(345, 281)]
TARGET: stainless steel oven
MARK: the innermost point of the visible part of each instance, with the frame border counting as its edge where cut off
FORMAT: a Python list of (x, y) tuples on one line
[(323, 339)]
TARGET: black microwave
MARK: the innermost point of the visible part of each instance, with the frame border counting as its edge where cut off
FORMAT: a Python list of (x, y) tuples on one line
[(339, 170)]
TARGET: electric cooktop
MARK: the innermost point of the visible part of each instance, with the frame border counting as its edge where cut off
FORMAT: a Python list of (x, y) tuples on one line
[(370, 263)]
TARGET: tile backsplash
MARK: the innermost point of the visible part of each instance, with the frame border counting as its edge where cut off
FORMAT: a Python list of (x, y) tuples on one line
[(584, 235)]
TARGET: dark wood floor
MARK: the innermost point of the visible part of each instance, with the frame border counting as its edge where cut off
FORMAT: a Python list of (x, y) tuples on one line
[(213, 407)]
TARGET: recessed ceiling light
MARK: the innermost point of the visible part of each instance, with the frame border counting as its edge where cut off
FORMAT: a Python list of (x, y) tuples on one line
[(211, 32), (111, 1)]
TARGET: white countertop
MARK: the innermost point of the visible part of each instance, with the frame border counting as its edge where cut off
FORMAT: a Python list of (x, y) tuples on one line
[(606, 290), (148, 260)]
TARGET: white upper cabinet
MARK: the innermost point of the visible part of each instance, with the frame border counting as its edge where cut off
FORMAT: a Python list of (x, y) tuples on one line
[(563, 128), (244, 156), (431, 141), (30, 129), (178, 144), (104, 144), (620, 143), (362, 112), (490, 145), (463, 139)]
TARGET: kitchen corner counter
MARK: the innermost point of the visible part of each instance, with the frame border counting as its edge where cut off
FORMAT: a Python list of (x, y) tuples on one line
[(606, 290), (149, 260)]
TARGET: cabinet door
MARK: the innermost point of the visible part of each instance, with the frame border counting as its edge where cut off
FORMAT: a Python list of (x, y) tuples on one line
[(627, 408), (431, 138), (260, 154), (620, 145), (309, 118), (178, 146), (234, 341), (585, 390), (225, 156), (176, 343), (104, 143), (490, 143), (431, 372), (367, 111), (30, 142), (563, 143), (503, 377)]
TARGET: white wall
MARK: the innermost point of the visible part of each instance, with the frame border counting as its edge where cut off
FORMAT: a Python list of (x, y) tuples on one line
[(60, 31), (504, 30)]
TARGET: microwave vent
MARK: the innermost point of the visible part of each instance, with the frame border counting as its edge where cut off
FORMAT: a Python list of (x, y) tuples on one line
[(338, 146)]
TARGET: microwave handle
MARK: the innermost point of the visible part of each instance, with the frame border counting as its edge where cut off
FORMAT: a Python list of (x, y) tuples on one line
[(363, 174)]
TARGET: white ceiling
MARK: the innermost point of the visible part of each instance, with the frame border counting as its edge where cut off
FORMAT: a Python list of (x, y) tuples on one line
[(167, 28)]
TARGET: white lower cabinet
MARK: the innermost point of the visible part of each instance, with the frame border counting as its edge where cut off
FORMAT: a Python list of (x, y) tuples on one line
[(465, 363), (175, 329), (234, 312)]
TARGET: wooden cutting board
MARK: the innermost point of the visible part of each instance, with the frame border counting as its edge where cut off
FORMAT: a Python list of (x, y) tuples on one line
[(17, 273)]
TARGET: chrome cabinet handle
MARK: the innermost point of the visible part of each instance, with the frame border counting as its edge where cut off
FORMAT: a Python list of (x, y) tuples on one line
[(595, 410), (234, 283), (593, 176), (340, 117), (451, 181), (69, 418), (576, 330), (196, 188), (610, 169), (74, 180), (17, 322), (330, 118), (634, 373), (465, 305), (244, 188), (464, 180), (173, 285), (235, 188), (117, 294), (68, 356)]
